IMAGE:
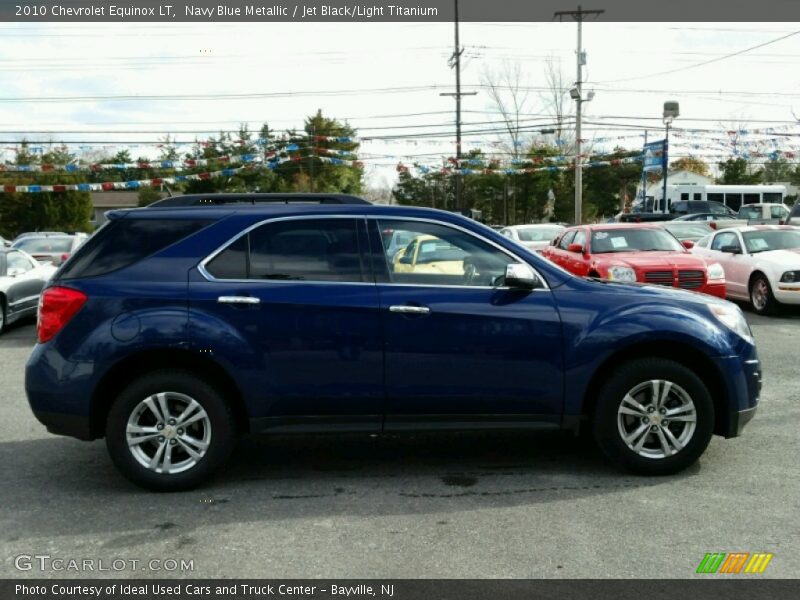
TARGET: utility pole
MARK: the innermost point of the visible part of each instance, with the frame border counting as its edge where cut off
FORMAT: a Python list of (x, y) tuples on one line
[(455, 63), (577, 94)]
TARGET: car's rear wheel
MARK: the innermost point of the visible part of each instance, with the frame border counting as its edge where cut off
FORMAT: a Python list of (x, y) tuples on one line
[(761, 296), (169, 431), (654, 417)]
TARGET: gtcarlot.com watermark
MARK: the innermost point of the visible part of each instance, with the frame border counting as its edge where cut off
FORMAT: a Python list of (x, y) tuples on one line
[(45, 563)]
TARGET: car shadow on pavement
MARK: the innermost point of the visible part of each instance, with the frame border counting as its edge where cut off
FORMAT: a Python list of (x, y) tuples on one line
[(60, 487)]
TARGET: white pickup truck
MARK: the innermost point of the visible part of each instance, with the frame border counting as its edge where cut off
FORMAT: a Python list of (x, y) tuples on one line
[(764, 213)]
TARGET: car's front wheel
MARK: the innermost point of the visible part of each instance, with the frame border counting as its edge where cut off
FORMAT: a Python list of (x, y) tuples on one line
[(169, 431), (654, 417), (761, 296)]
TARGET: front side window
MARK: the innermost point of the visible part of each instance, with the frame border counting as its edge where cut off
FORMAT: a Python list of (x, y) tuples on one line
[(566, 240), (441, 255), (18, 262), (725, 239), (778, 212), (294, 250)]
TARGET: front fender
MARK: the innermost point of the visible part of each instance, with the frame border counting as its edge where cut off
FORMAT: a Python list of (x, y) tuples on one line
[(610, 319)]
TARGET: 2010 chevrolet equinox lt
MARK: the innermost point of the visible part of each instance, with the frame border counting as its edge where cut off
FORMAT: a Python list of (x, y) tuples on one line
[(177, 327)]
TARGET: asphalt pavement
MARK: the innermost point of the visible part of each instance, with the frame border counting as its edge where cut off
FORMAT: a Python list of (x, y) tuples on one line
[(451, 506)]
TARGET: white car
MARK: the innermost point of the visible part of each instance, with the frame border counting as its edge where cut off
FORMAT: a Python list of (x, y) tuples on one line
[(533, 237), (761, 262), (21, 281)]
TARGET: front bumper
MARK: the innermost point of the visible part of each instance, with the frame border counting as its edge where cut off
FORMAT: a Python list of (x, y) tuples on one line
[(743, 379), (787, 293), (715, 289), (77, 426)]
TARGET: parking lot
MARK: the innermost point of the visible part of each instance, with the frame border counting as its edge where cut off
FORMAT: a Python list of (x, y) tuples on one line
[(453, 506)]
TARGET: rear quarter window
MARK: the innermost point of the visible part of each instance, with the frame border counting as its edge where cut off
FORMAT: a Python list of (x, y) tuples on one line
[(123, 242)]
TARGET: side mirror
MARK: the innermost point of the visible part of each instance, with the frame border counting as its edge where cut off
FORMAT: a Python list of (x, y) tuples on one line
[(577, 248), (15, 271), (688, 244), (521, 277), (405, 260), (731, 249)]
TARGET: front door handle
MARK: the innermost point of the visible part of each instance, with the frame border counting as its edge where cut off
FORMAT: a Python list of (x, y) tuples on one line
[(238, 300), (410, 310)]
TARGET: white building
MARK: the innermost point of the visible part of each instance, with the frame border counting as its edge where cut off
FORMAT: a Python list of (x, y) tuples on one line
[(656, 190)]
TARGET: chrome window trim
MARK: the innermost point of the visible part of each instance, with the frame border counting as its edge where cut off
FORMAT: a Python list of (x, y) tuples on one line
[(201, 267)]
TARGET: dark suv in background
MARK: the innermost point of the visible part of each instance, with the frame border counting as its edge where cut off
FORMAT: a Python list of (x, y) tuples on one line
[(179, 326)]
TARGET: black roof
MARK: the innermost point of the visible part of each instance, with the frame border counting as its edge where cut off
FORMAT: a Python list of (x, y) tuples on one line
[(256, 198)]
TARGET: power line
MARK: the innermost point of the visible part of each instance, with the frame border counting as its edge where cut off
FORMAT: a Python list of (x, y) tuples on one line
[(705, 62)]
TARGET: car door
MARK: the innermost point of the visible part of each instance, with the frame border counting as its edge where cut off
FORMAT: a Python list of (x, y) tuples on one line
[(726, 248), (575, 262), (559, 254), (300, 321), (25, 282), (460, 347)]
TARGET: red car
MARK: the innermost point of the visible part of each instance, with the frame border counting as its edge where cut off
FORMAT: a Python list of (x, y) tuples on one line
[(635, 252)]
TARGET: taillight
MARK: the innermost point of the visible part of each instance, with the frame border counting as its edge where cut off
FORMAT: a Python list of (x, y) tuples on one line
[(57, 305), (712, 224)]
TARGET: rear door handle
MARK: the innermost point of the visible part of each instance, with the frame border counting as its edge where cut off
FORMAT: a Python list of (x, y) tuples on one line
[(238, 300), (410, 310)]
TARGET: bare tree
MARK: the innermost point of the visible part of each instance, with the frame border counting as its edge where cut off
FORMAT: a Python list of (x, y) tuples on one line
[(510, 98), (557, 102)]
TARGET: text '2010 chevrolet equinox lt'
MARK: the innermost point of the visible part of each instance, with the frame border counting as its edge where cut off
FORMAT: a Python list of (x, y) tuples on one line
[(177, 327)]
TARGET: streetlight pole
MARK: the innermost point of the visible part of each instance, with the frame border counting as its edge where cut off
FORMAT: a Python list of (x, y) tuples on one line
[(671, 112)]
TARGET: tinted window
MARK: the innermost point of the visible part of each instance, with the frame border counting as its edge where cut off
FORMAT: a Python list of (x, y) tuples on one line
[(123, 242), (773, 197), (680, 207), (538, 234), (306, 250), (718, 209), (685, 196), (231, 263), (715, 198), (41, 245), (698, 196)]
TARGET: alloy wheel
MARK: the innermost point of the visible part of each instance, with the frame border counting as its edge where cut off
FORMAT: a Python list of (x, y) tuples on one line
[(168, 432), (656, 419)]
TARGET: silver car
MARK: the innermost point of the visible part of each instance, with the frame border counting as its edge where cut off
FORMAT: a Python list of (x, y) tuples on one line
[(21, 281), (48, 247), (533, 237)]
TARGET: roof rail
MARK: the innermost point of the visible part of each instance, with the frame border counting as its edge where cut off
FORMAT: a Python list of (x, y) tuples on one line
[(255, 198)]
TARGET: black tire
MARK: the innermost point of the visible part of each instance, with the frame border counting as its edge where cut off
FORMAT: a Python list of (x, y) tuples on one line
[(222, 435), (770, 305), (626, 379)]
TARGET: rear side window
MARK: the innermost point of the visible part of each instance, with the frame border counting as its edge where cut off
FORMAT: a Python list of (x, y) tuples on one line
[(294, 250), (124, 242)]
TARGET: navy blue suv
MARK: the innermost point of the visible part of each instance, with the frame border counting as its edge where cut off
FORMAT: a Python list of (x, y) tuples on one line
[(180, 326)]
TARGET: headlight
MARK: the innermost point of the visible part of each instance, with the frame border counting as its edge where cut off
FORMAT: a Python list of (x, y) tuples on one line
[(732, 317), (791, 277), (715, 271), (622, 274)]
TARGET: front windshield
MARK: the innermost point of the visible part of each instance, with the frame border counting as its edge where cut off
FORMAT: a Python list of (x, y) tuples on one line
[(538, 234), (34, 245), (766, 240), (633, 240)]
